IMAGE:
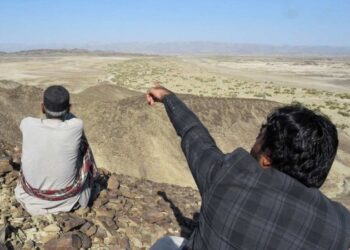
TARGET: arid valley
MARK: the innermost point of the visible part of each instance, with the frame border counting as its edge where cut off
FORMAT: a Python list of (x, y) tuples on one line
[(232, 96)]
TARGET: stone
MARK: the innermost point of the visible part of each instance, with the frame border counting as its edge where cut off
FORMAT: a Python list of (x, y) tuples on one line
[(108, 224), (68, 241), (125, 191), (100, 202), (112, 194), (82, 211), (113, 182), (156, 217), (28, 245), (111, 240), (52, 228), (105, 212), (85, 227), (72, 222), (103, 171), (3, 246), (91, 231), (19, 220), (147, 238), (47, 236), (4, 233), (16, 155), (10, 178), (5, 167), (104, 194), (85, 240), (100, 233), (136, 242), (123, 222)]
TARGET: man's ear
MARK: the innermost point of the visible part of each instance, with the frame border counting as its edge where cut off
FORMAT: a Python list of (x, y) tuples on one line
[(42, 108), (265, 161)]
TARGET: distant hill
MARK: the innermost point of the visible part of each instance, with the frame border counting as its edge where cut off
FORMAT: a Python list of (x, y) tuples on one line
[(188, 48), (63, 52)]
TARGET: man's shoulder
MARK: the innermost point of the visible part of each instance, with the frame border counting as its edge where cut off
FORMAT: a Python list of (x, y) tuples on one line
[(241, 160), (76, 122), (342, 210), (29, 120)]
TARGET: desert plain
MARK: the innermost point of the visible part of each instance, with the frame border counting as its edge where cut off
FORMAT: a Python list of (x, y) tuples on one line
[(231, 94)]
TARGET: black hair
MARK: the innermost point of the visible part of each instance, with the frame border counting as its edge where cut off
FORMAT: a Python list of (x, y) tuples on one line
[(56, 102), (300, 143)]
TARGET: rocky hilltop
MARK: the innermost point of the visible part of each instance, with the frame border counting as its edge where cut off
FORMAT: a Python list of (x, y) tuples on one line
[(129, 213), (130, 139)]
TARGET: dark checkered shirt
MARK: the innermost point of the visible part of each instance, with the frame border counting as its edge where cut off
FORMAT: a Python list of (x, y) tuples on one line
[(247, 207)]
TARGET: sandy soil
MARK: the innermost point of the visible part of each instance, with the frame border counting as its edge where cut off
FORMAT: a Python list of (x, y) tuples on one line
[(76, 72)]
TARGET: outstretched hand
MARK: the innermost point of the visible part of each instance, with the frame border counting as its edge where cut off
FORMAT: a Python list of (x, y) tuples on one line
[(156, 94)]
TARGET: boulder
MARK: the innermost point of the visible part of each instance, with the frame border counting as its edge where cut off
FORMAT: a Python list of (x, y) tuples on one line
[(113, 182), (68, 241), (5, 167), (71, 222)]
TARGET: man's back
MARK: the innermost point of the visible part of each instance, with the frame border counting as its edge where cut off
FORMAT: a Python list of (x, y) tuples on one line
[(248, 207), (50, 151), (50, 159)]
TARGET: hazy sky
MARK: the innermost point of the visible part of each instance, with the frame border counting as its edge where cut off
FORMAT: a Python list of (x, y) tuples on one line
[(283, 22)]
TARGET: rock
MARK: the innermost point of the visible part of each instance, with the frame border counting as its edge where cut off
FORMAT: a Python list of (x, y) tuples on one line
[(104, 194), (85, 240), (28, 245), (85, 227), (108, 224), (131, 217), (125, 191), (100, 233), (16, 155), (82, 211), (52, 228), (136, 242), (105, 212), (68, 241), (10, 179), (3, 246), (123, 222), (100, 202), (18, 221), (20, 234), (48, 236), (72, 222), (111, 240), (112, 194), (103, 171), (91, 231), (147, 238), (156, 217), (113, 182), (4, 233), (5, 167)]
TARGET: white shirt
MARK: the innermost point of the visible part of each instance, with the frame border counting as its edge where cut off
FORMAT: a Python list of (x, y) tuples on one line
[(50, 161)]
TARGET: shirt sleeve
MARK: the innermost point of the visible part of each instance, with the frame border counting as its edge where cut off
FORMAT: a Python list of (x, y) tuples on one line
[(203, 156)]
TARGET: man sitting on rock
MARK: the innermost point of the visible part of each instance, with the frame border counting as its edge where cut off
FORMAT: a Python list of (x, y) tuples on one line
[(57, 166), (265, 199)]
